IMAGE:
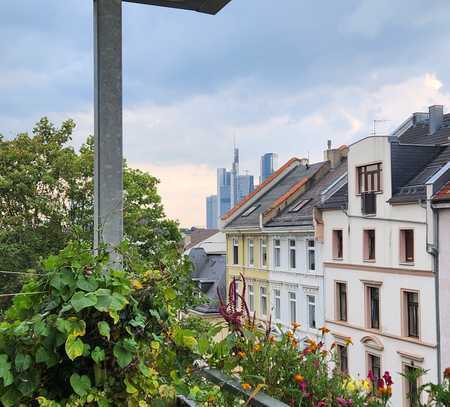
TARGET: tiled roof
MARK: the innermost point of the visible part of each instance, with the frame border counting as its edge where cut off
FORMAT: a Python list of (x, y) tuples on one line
[(278, 172), (418, 134), (313, 195), (339, 200), (443, 195), (198, 235), (268, 199)]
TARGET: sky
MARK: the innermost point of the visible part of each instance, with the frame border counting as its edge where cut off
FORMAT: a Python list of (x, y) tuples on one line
[(280, 76)]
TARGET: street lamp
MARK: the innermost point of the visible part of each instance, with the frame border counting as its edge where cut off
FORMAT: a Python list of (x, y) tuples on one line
[(108, 159)]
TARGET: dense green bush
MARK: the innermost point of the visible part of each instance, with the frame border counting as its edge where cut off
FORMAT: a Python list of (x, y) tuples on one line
[(84, 334)]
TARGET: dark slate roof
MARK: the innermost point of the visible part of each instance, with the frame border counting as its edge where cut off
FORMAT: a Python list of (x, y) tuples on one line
[(418, 133), (304, 216), (339, 200), (269, 197)]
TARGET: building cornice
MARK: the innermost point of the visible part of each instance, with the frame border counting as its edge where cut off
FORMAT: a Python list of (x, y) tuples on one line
[(378, 269)]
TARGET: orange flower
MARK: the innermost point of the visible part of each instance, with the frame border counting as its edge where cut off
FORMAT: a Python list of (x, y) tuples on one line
[(298, 378), (294, 343), (257, 347), (242, 355), (289, 334), (246, 386), (447, 373), (333, 345), (348, 341), (136, 284), (295, 325), (271, 339), (324, 330)]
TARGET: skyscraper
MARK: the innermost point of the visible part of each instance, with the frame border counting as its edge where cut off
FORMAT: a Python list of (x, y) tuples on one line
[(211, 212), (269, 164), (235, 178), (223, 191), (246, 185)]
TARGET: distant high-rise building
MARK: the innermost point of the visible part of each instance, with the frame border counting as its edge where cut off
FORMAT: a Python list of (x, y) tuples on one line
[(246, 184), (211, 212), (223, 191), (235, 178), (269, 164)]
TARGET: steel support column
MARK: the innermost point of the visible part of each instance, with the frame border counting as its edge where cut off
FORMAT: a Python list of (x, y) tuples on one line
[(108, 160)]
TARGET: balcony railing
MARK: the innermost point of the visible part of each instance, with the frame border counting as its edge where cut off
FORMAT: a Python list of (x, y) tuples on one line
[(368, 203)]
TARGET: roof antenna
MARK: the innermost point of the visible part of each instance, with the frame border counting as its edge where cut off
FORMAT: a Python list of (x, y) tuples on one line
[(375, 122)]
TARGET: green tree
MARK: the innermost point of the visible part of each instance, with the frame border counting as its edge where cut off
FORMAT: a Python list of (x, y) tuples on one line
[(46, 200)]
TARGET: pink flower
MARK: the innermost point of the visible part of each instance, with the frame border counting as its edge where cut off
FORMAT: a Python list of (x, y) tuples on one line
[(388, 379), (343, 402)]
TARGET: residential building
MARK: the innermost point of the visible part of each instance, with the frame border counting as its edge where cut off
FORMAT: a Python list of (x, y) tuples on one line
[(270, 241), (269, 164), (212, 216), (380, 248)]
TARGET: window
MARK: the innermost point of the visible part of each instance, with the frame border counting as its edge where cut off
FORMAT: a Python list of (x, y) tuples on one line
[(411, 313), (369, 178), (238, 293), (292, 254), (235, 251), (337, 244), (263, 298), (342, 356), (263, 252), (299, 206), (412, 385), (277, 252), (407, 246), (341, 297), (251, 298), (277, 303), (292, 307), (373, 301), (312, 311), (374, 366), (369, 245), (311, 254), (250, 210), (251, 253)]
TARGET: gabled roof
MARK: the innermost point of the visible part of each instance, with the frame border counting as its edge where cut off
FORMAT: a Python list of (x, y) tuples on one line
[(339, 200), (280, 190), (443, 195), (311, 198)]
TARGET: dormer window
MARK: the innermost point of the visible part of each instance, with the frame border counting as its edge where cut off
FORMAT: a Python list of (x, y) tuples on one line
[(369, 178)]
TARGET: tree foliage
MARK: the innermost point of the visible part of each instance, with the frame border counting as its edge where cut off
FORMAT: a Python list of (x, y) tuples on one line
[(46, 200)]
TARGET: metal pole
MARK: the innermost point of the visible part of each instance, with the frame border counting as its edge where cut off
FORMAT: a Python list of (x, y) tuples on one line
[(108, 160)]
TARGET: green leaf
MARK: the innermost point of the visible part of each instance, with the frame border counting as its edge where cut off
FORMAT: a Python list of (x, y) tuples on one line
[(155, 345), (129, 387), (5, 371), (103, 299), (80, 384), (123, 356), (87, 284), (118, 302), (98, 355), (189, 341), (104, 329), (74, 347), (22, 362), (11, 398), (170, 294), (81, 300), (203, 345)]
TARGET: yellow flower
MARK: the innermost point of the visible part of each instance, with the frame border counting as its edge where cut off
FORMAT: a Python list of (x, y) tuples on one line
[(257, 347), (137, 285), (246, 386), (298, 378), (348, 341)]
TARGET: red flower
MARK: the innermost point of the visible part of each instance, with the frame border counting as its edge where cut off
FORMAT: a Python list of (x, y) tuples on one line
[(380, 383), (447, 373), (343, 402), (388, 379)]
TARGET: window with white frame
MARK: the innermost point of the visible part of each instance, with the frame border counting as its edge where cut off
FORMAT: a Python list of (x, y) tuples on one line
[(277, 252), (235, 251), (312, 311), (251, 298), (251, 253), (311, 254), (263, 299), (292, 307), (292, 254), (263, 252), (277, 303)]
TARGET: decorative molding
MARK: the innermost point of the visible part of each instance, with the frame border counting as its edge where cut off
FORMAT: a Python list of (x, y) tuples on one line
[(372, 342), (372, 282), (378, 269), (411, 357)]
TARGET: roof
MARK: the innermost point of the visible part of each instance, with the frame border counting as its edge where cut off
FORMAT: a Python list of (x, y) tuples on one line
[(260, 187), (339, 200), (311, 198), (199, 235), (283, 187), (443, 195), (418, 133), (214, 244)]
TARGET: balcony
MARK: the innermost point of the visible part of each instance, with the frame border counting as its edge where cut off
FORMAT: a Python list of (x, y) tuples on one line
[(368, 203)]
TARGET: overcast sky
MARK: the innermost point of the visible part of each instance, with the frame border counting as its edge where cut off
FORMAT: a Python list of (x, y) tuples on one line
[(279, 75)]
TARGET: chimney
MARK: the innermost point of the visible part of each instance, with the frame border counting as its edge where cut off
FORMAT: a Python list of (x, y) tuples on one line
[(436, 117), (334, 155), (304, 161)]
